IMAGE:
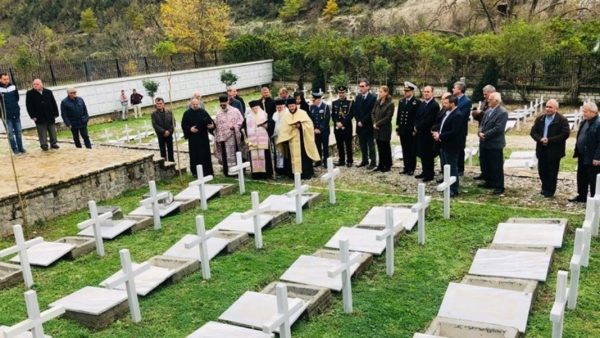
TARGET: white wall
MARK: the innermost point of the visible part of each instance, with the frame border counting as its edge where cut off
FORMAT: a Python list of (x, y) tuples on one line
[(102, 97)]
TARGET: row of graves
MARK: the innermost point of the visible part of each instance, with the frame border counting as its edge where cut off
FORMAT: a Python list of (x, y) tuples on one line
[(507, 274), (304, 290)]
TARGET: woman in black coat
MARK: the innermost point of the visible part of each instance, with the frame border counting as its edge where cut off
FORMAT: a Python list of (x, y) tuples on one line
[(382, 113)]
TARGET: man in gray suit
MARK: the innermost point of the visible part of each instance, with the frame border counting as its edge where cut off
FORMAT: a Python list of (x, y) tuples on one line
[(492, 143)]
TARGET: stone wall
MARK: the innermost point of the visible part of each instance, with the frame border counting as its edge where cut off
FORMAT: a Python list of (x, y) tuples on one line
[(102, 97), (47, 202)]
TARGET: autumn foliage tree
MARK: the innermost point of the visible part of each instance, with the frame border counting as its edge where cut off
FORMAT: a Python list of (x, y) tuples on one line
[(330, 10), (196, 25)]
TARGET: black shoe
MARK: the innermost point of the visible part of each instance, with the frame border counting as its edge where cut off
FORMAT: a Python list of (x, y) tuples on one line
[(480, 177), (378, 169), (421, 175), (548, 195), (371, 166), (54, 146), (498, 192), (385, 169), (362, 164), (453, 194), (484, 185), (349, 164), (340, 163), (409, 173), (428, 179), (44, 148), (577, 199)]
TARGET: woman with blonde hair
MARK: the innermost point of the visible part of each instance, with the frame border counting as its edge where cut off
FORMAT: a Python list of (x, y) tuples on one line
[(382, 113)]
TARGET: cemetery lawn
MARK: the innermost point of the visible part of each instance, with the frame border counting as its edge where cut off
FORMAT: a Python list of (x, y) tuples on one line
[(383, 306)]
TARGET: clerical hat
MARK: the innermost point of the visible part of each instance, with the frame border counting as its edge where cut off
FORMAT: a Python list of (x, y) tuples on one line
[(279, 101), (223, 98), (290, 101), (255, 103)]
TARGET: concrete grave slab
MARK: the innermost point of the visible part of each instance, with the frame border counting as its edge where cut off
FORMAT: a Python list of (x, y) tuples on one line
[(94, 307), (215, 330), (215, 245), (193, 193), (10, 275), (83, 245), (366, 259), (360, 240), (45, 253), (520, 163), (141, 222), (532, 220), (254, 309), (110, 230), (116, 211), (511, 264), (235, 239), (488, 305), (145, 282), (533, 234), (163, 210), (515, 284), (179, 267), (376, 216), (313, 270), (288, 204), (234, 222), (317, 299), (455, 328)]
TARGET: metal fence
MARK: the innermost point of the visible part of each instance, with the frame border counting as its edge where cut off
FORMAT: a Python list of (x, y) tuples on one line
[(55, 73)]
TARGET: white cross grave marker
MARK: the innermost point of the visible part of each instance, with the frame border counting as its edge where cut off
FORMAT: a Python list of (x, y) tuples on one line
[(153, 201), (388, 236), (299, 189), (344, 268), (95, 222), (575, 267), (596, 198), (255, 214), (330, 178), (34, 320), (587, 227), (239, 168), (284, 313), (557, 314), (21, 248), (202, 242), (128, 277), (420, 207), (445, 187), (201, 183)]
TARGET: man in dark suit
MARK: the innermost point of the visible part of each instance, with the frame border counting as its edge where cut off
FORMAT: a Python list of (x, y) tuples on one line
[(550, 132), (341, 114), (405, 127), (587, 152), (492, 143), (43, 110), (478, 114), (464, 109), (424, 120), (450, 136), (361, 110)]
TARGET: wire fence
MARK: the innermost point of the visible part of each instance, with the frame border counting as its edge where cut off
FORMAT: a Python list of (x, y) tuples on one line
[(64, 72)]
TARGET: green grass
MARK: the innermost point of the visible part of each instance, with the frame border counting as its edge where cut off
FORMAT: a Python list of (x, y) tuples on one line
[(383, 306)]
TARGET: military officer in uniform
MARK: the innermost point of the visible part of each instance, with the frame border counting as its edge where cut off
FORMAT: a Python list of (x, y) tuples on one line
[(405, 127), (320, 114), (341, 114)]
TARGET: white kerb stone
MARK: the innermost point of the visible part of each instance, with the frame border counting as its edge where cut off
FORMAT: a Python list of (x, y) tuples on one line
[(511, 264), (92, 300), (359, 239), (217, 330), (253, 309), (313, 270), (46, 253), (534, 234), (486, 305)]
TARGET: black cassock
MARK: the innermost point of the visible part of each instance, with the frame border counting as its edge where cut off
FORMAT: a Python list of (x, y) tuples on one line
[(199, 145)]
